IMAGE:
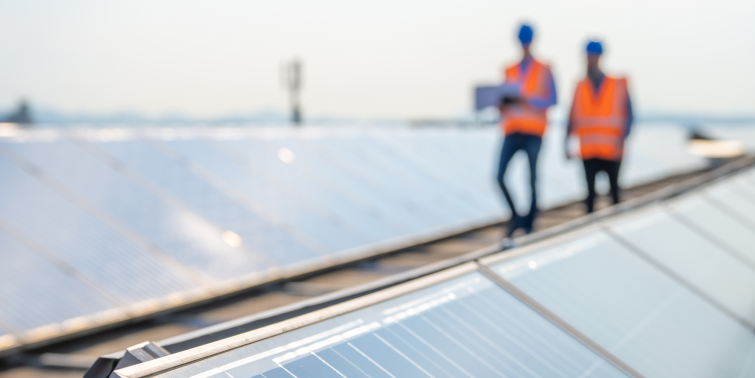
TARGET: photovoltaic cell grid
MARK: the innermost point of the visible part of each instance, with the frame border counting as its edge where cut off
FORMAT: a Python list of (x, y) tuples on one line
[(142, 220), (664, 289), (466, 326)]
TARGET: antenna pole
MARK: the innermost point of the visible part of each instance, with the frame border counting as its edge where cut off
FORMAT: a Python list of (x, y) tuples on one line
[(293, 81)]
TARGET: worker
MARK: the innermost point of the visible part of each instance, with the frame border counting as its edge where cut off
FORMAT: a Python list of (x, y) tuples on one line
[(523, 120), (601, 117)]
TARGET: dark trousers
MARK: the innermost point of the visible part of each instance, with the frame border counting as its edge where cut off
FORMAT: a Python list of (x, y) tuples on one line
[(592, 167), (530, 144)]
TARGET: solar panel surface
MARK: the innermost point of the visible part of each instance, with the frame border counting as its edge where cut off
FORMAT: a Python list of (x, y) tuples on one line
[(466, 326), (733, 198), (151, 217), (67, 232), (291, 203), (334, 204), (644, 317), (57, 296), (262, 235), (187, 237), (693, 258), (718, 223), (352, 185)]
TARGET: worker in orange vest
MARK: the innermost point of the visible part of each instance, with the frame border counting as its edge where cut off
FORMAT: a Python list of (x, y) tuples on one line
[(523, 120), (601, 116)]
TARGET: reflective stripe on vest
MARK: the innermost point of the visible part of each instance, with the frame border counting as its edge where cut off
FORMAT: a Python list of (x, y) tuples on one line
[(524, 118), (599, 118)]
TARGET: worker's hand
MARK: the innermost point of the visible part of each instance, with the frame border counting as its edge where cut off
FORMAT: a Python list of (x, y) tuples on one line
[(568, 155)]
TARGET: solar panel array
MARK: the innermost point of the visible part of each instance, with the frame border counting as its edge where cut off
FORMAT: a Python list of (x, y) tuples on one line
[(465, 326), (666, 290), (101, 226)]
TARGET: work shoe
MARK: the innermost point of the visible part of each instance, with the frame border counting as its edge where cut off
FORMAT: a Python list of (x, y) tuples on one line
[(514, 223), (507, 243)]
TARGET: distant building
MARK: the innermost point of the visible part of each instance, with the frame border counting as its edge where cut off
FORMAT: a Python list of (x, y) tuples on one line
[(21, 116)]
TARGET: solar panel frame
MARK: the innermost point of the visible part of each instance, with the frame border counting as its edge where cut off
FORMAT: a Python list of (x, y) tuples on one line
[(529, 258), (735, 234), (232, 361), (725, 195), (686, 267)]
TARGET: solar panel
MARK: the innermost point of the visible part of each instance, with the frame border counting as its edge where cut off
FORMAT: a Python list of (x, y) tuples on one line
[(665, 145), (466, 326), (730, 230), (693, 258), (564, 181), (726, 196), (424, 202), (186, 236), (476, 149), (141, 220), (57, 296), (293, 204), (261, 235), (745, 183), (377, 184), (111, 261), (319, 182), (626, 305), (437, 154), (393, 218), (409, 169)]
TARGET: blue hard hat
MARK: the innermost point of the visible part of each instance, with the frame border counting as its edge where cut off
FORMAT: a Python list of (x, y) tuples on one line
[(525, 34), (594, 47)]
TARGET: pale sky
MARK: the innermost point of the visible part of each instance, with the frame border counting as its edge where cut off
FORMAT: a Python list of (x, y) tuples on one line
[(385, 59)]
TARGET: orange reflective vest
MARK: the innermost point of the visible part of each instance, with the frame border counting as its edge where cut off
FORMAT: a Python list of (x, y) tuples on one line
[(599, 118), (524, 118)]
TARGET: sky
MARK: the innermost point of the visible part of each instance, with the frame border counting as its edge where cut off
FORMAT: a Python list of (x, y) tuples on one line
[(407, 59)]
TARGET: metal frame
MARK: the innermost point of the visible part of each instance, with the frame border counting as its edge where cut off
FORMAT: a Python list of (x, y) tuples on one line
[(177, 360), (163, 364), (602, 225), (555, 319), (170, 362), (645, 256)]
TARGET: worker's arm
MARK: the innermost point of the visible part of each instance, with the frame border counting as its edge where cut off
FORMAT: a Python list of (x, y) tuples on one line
[(566, 140), (548, 99), (569, 130), (630, 117)]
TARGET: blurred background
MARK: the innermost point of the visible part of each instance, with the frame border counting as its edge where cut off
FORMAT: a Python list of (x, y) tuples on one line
[(193, 62), (171, 165)]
